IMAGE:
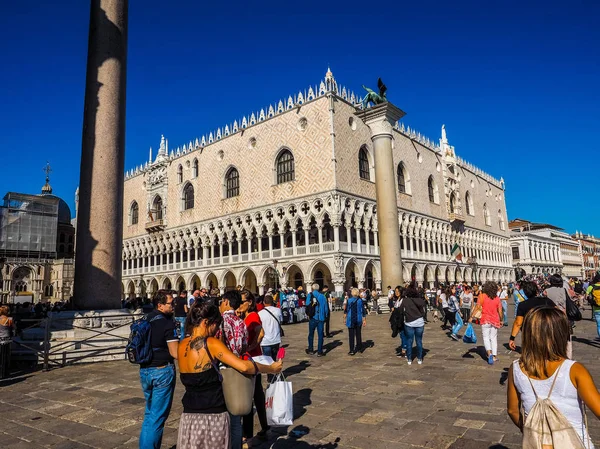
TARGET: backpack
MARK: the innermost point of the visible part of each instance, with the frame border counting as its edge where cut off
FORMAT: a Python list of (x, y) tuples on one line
[(594, 296), (139, 345), (311, 306), (547, 426)]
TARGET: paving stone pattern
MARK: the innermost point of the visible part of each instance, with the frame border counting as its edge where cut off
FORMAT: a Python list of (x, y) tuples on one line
[(372, 400)]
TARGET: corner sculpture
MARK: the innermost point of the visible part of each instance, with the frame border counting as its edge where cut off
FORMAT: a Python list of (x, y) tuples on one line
[(373, 97)]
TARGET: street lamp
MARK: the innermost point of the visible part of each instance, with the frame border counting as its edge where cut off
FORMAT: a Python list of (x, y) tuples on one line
[(275, 274)]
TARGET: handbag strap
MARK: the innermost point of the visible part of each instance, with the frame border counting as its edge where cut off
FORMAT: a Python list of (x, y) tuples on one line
[(212, 361)]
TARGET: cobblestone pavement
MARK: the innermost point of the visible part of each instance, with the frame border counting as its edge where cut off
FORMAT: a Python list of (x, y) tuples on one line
[(373, 400)]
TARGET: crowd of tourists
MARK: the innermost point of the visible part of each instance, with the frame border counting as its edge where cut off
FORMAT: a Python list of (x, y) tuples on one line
[(206, 332)]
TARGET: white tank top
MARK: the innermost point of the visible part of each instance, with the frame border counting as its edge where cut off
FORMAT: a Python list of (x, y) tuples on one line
[(564, 396)]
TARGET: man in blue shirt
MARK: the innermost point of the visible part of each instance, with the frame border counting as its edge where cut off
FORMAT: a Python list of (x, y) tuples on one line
[(317, 321)]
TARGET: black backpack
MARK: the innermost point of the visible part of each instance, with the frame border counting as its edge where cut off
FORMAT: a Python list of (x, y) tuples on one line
[(311, 305)]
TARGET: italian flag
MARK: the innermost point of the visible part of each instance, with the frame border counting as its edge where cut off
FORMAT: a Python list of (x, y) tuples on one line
[(456, 252)]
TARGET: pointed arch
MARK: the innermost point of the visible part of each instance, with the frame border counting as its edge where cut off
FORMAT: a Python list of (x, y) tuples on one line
[(187, 196), (285, 166), (365, 163), (134, 213), (403, 179), (156, 211), (469, 204), (179, 174), (232, 182), (195, 168), (486, 215), (432, 188)]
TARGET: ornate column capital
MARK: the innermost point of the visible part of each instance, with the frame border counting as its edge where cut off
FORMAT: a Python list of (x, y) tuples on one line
[(381, 119)]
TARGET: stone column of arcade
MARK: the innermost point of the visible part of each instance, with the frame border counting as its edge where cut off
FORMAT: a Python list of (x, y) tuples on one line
[(100, 214), (381, 119)]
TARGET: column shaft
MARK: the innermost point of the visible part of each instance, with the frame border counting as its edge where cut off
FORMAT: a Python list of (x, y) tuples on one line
[(100, 215)]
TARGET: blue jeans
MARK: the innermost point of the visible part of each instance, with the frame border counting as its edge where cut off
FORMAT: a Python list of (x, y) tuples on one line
[(403, 340), (270, 351), (236, 431), (318, 326), (459, 324), (597, 318), (181, 321), (411, 334), (505, 311), (158, 385)]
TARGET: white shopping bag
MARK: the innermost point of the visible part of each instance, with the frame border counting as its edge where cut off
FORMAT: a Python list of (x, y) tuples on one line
[(280, 402)]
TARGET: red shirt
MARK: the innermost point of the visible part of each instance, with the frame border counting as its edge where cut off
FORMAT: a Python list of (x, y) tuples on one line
[(491, 308), (254, 324), (259, 307)]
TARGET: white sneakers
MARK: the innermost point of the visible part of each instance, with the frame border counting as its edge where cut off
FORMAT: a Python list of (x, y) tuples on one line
[(419, 361), (409, 362)]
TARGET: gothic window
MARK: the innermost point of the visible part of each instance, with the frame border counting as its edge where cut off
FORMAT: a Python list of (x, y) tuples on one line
[(452, 203), (486, 215), (433, 190), (285, 167), (232, 183), (363, 164), (195, 168), (469, 204), (180, 174), (403, 181), (157, 208), (500, 220), (188, 197), (134, 213)]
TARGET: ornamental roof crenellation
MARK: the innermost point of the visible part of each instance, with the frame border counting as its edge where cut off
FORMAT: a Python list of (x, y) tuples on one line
[(327, 85)]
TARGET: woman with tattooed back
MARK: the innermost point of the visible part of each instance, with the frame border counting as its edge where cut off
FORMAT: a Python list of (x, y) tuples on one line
[(204, 423)]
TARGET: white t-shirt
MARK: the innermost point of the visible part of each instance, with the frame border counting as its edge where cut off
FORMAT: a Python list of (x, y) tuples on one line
[(503, 294), (444, 301), (270, 325)]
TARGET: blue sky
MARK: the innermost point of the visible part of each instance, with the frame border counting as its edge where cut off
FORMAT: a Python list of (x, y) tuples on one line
[(516, 83)]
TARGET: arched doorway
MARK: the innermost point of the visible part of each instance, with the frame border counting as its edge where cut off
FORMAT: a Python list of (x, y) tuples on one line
[(427, 276), (131, 290), (413, 273), (322, 275), (458, 275), (180, 284), (166, 284), (195, 283), (351, 275), (142, 289), (438, 276), (229, 281), (212, 281), (271, 279), (295, 277), (249, 281), (370, 276), (153, 287)]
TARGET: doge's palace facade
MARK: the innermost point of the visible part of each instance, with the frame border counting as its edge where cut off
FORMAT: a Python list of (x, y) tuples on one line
[(287, 196)]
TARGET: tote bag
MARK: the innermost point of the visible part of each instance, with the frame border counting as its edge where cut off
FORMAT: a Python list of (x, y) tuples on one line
[(280, 402)]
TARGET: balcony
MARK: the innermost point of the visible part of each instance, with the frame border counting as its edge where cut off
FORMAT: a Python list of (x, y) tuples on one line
[(155, 225)]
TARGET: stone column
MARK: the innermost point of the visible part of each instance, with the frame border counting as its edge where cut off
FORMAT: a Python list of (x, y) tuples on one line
[(349, 236), (336, 237), (320, 230), (381, 119), (100, 213), (294, 242)]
